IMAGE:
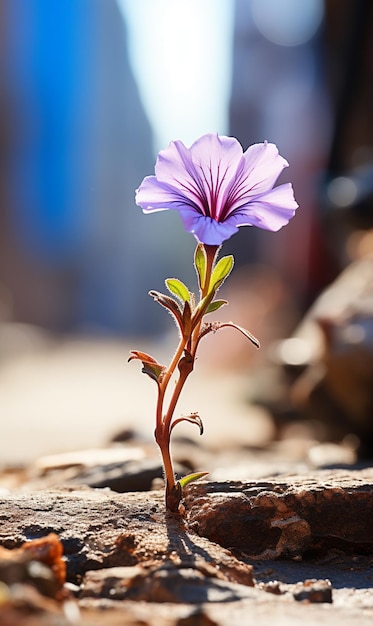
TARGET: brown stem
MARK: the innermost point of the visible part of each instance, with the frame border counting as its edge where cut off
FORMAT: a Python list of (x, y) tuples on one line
[(174, 399), (173, 492), (163, 423), (162, 430), (162, 437), (171, 368)]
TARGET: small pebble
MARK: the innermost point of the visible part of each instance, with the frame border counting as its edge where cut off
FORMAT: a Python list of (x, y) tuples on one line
[(313, 591)]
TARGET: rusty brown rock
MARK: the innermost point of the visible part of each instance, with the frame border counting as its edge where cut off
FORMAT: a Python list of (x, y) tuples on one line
[(38, 564), (314, 591), (288, 515)]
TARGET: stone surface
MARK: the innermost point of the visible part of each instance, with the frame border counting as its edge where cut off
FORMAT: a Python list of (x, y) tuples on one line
[(121, 469), (163, 583), (131, 563), (101, 529), (286, 516)]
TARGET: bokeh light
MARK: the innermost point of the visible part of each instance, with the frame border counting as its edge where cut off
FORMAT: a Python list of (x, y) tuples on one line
[(183, 65)]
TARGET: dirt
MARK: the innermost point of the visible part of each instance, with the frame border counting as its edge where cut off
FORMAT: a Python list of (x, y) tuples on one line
[(125, 556), (273, 535)]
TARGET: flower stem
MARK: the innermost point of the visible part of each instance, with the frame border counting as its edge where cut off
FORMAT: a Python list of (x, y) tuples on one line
[(164, 421), (211, 252), (162, 430), (175, 396), (171, 368)]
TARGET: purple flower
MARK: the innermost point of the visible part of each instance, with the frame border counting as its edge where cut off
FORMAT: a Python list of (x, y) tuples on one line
[(216, 187)]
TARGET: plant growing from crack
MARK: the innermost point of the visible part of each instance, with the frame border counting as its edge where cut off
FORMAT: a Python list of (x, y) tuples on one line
[(216, 188)]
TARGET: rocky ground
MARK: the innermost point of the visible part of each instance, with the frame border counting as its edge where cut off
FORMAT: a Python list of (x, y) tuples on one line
[(281, 532)]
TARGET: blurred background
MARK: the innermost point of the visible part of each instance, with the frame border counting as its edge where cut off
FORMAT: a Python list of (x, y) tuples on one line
[(90, 91)]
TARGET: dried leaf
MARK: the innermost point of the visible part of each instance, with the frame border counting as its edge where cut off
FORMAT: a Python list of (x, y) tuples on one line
[(171, 305), (193, 418), (151, 367)]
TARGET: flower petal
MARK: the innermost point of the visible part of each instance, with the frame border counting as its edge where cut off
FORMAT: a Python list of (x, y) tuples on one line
[(176, 169), (270, 210), (153, 195), (202, 173), (216, 159), (263, 165), (207, 230), (258, 171), (217, 187)]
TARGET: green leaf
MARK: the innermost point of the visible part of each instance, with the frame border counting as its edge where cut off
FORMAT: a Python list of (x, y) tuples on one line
[(200, 264), (191, 478), (177, 287), (215, 305), (221, 271)]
